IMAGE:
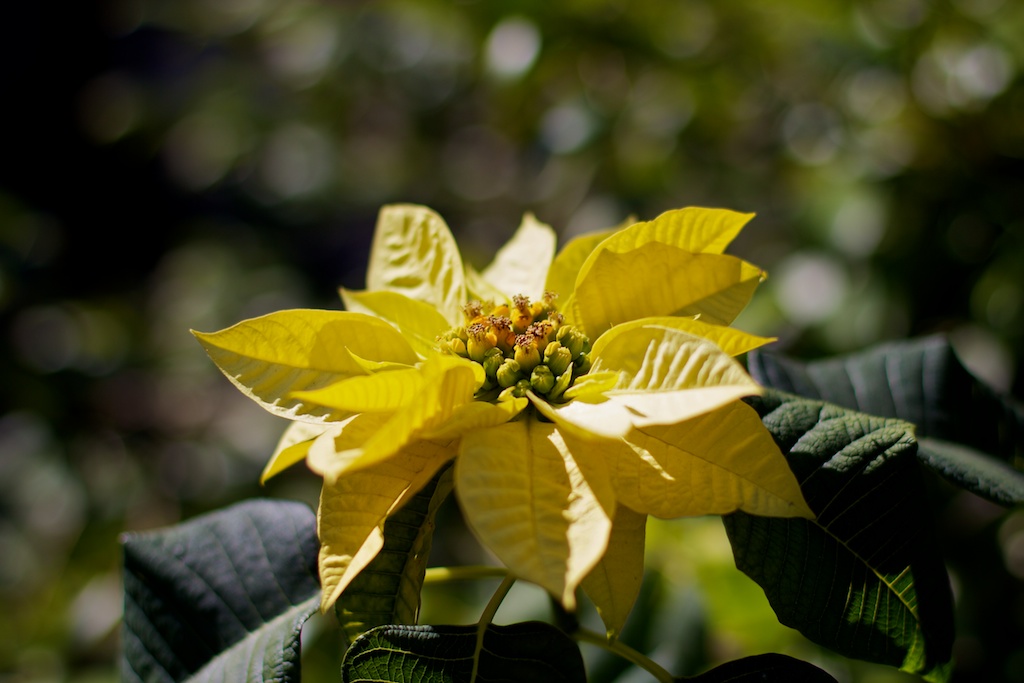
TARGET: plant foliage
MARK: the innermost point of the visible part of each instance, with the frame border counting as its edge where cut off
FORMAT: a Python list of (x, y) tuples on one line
[(222, 597)]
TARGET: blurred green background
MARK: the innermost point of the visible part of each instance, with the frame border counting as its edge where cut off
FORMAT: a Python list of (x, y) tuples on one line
[(168, 165)]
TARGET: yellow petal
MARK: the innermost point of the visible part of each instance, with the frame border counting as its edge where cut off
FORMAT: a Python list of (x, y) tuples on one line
[(734, 342), (661, 280), (414, 254), (521, 266), (614, 584), (711, 465), (382, 392), (591, 420), (668, 375), (271, 357), (292, 447), (665, 376), (332, 454), (566, 266), (448, 383), (419, 322), (525, 497), (477, 415), (593, 384), (693, 229), (353, 508)]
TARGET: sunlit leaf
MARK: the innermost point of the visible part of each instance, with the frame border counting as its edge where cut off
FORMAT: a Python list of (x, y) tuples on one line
[(477, 415), (660, 280), (521, 266), (694, 229), (353, 508), (271, 357), (734, 342), (331, 452), (877, 588), (387, 590), (713, 464), (614, 583), (449, 383), (292, 447), (414, 254), (527, 500), (419, 322), (665, 376), (381, 392), (222, 597), (530, 651)]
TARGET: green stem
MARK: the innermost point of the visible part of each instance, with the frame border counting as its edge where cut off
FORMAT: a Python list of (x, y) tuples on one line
[(626, 652), (446, 574), (485, 620)]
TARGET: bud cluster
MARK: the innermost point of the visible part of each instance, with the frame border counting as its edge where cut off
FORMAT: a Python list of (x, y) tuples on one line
[(522, 347)]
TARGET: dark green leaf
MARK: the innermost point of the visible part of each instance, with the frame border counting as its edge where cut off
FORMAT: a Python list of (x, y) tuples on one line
[(222, 597), (767, 668), (921, 381), (863, 579), (992, 479), (531, 651), (387, 591)]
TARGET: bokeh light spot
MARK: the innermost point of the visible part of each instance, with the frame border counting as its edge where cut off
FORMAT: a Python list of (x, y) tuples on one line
[(951, 76), (985, 355), (512, 48), (811, 287), (875, 95), (567, 127), (859, 225)]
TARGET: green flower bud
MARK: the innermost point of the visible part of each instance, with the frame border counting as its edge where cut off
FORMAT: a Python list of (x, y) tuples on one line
[(458, 347), (542, 379), (492, 361), (581, 365), (557, 357), (563, 383), (509, 373), (521, 387), (573, 339)]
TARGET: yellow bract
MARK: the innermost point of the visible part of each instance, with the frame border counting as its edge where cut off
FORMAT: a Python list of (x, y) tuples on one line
[(644, 419)]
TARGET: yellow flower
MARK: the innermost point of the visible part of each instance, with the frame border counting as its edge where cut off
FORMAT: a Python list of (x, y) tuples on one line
[(578, 394)]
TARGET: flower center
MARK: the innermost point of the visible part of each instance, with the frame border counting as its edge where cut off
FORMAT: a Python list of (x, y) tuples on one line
[(522, 347)]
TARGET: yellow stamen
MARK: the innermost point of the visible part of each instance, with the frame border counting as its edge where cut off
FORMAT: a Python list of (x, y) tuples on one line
[(521, 315), (526, 352), (481, 340)]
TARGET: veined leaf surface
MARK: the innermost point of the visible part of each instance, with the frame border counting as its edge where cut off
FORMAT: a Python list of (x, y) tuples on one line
[(221, 598), (530, 651), (387, 591), (972, 435), (863, 578)]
